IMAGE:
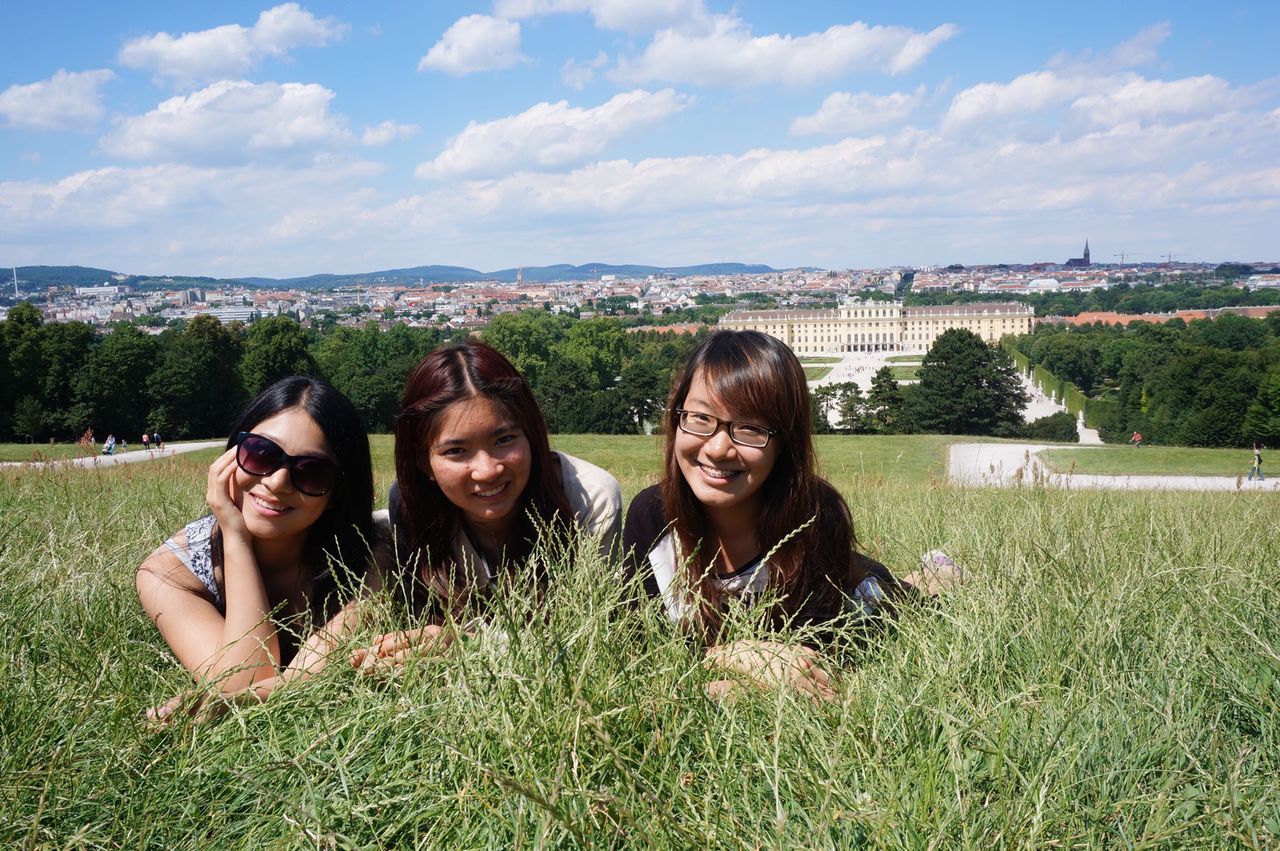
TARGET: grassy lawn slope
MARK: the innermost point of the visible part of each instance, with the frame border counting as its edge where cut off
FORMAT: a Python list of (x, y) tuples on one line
[(1110, 676)]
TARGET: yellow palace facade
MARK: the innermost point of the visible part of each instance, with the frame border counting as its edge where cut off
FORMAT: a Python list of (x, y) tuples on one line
[(881, 326)]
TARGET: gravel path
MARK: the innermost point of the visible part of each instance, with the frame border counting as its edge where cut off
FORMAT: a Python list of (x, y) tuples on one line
[(133, 456), (1007, 464)]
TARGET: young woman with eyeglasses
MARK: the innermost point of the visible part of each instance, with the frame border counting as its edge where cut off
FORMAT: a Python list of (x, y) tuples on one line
[(742, 513), (251, 594), (477, 489)]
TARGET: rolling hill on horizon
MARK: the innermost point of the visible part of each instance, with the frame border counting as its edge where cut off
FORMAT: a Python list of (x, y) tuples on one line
[(81, 276)]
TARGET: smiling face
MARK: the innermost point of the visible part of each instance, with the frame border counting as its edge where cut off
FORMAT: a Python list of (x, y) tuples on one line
[(273, 508), (724, 476), (481, 461)]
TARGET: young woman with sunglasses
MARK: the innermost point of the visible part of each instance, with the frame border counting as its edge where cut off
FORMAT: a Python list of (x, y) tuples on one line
[(289, 532), (477, 489), (742, 513)]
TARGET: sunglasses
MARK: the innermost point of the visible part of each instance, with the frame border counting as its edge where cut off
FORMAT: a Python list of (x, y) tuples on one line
[(262, 456)]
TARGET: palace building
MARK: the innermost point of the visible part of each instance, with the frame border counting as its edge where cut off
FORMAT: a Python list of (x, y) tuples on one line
[(881, 326)]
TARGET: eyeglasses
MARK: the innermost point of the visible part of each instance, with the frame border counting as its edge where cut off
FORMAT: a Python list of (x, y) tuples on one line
[(743, 434), (262, 456)]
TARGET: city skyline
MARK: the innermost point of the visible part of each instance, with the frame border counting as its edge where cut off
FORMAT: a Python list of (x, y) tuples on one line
[(293, 139)]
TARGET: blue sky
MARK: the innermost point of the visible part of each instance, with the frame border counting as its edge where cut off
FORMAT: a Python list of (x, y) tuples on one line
[(257, 139)]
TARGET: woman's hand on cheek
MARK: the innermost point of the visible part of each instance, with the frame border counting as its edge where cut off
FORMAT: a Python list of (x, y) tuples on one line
[(769, 664), (225, 497)]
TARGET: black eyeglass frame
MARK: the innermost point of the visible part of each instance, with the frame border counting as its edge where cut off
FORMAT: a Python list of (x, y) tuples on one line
[(284, 459), (730, 427)]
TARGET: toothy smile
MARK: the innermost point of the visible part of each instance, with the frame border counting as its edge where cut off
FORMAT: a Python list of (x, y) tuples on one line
[(717, 473), (269, 507), (492, 492)]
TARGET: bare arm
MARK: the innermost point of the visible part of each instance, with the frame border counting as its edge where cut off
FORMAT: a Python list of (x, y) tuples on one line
[(234, 649)]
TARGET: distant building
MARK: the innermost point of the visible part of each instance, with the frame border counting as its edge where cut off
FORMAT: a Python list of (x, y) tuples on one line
[(1080, 262), (881, 326)]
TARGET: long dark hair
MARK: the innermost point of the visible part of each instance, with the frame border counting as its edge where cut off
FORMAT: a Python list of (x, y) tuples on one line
[(337, 548), (428, 521), (753, 374)]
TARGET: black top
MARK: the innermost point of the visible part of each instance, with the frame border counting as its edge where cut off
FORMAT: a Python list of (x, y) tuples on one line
[(647, 530)]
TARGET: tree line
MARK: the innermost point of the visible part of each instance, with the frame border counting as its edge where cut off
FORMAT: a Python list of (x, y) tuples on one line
[(590, 376), (1199, 383), (58, 380), (1121, 298)]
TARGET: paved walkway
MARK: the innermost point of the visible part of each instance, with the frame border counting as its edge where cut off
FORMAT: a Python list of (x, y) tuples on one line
[(1008, 464), (133, 456)]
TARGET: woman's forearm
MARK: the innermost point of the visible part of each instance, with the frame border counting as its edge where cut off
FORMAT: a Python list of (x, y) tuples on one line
[(250, 648)]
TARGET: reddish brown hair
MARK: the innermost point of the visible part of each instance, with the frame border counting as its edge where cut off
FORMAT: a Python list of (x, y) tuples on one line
[(428, 521), (754, 375)]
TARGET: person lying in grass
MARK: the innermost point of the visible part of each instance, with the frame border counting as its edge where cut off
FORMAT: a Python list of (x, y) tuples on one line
[(251, 595), (741, 513), (477, 487)]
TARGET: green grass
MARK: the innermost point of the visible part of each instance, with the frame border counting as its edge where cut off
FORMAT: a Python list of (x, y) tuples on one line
[(816, 373), (905, 359), (1108, 677), (1153, 461), (816, 359), (41, 451), (905, 373)]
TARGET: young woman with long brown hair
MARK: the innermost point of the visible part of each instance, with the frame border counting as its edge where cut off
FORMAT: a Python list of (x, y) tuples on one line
[(478, 488), (740, 484)]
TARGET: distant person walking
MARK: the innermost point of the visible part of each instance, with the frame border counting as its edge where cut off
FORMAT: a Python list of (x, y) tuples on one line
[(156, 441), (1136, 440), (109, 445), (146, 441), (1256, 469)]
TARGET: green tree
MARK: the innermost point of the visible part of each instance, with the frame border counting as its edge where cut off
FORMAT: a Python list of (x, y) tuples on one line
[(274, 348), (883, 409), (29, 418), (966, 387), (21, 335), (597, 344), (110, 391), (196, 386), (526, 338), (64, 350)]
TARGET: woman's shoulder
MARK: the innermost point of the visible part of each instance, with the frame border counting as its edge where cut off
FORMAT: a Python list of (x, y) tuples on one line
[(645, 517), (592, 491)]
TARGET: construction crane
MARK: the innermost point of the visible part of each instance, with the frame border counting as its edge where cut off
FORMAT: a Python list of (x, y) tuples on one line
[(1169, 255), (1124, 254)]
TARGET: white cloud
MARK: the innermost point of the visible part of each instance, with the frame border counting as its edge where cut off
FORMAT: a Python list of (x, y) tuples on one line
[(1134, 52), (729, 55), (387, 132), (577, 74), (475, 43), (852, 113), (67, 100), (1096, 100), (1138, 99), (1025, 93), (233, 122), (632, 16), (231, 50), (549, 135)]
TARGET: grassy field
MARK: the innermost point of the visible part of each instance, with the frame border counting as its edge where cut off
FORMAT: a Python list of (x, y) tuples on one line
[(905, 373), (905, 359), (1110, 676), (40, 451), (1154, 461), (816, 373), (817, 359)]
